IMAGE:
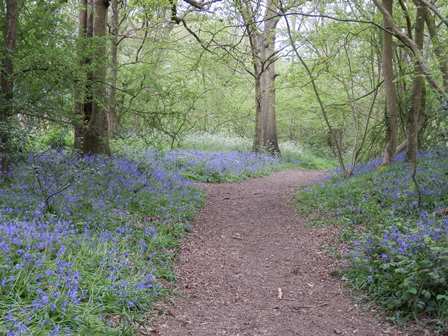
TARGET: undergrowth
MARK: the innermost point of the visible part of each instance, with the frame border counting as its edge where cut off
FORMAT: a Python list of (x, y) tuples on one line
[(399, 249), (87, 241)]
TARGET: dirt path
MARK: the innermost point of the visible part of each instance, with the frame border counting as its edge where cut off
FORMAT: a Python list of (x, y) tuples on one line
[(247, 249)]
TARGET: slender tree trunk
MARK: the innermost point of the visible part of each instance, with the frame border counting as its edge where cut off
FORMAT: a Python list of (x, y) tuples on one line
[(332, 133), (415, 112), (112, 113), (259, 136), (7, 82), (442, 95), (391, 115), (440, 50), (96, 137), (87, 108), (80, 87)]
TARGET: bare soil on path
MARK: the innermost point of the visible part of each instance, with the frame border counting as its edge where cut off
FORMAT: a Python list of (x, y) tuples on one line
[(251, 267)]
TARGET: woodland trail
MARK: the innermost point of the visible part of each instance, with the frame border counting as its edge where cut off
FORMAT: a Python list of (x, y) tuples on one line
[(247, 243)]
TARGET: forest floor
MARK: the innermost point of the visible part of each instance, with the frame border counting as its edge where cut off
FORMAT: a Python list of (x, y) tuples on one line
[(251, 267)]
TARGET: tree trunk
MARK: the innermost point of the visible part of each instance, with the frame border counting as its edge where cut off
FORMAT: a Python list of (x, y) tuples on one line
[(391, 116), (7, 82), (442, 95), (268, 90), (112, 113), (439, 49), (258, 138), (80, 87), (96, 138), (264, 63), (415, 112)]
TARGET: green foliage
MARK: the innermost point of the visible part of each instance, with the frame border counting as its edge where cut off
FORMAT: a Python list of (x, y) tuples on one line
[(52, 138), (216, 142), (45, 62)]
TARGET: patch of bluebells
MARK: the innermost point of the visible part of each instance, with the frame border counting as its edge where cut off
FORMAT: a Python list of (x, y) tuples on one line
[(406, 266), (400, 256), (373, 164), (387, 191), (220, 166), (79, 239)]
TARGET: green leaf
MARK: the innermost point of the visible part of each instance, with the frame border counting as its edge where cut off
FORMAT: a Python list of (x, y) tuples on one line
[(412, 290)]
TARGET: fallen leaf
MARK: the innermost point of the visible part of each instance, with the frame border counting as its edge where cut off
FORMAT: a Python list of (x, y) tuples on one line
[(280, 294), (237, 236)]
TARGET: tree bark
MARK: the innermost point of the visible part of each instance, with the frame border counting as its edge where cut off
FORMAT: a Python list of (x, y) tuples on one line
[(96, 139), (418, 90), (112, 113), (442, 95), (391, 116), (262, 44), (266, 128), (439, 49), (7, 82), (80, 87)]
